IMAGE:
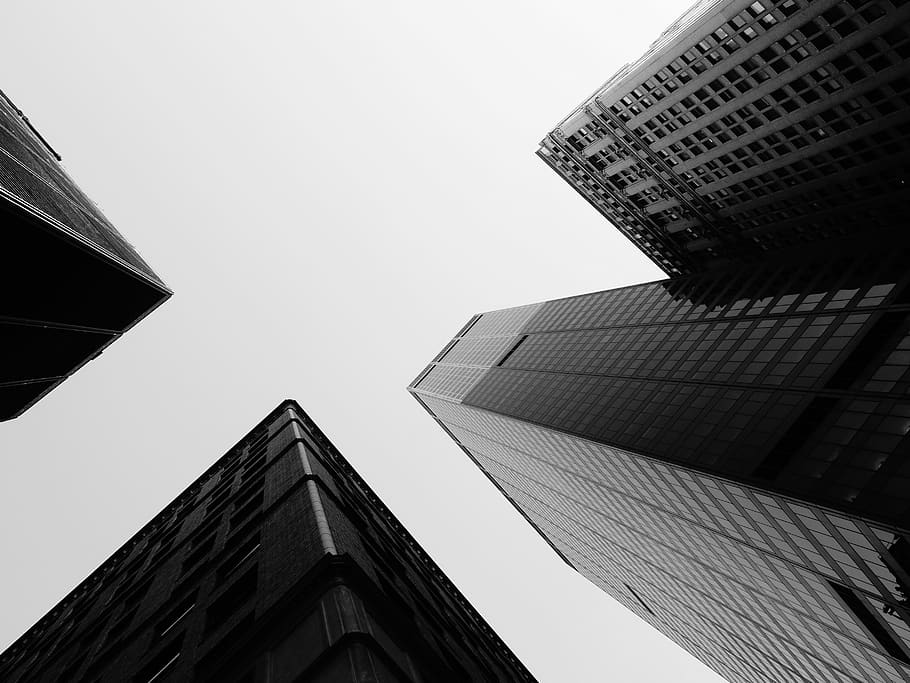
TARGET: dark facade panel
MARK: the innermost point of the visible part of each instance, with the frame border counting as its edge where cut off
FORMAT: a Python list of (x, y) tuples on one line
[(724, 453), (804, 391), (72, 284), (278, 564)]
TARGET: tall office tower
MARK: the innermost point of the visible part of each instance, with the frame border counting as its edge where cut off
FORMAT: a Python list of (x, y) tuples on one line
[(748, 127), (726, 453), (278, 564), (71, 284)]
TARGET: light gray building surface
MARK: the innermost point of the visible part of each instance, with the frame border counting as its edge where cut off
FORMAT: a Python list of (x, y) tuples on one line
[(725, 452)]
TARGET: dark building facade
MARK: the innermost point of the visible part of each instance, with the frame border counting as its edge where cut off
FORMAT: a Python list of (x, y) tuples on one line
[(749, 127), (726, 453), (71, 283), (277, 564)]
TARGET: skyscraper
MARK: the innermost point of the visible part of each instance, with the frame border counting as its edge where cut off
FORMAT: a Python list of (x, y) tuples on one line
[(71, 283), (278, 564), (725, 452), (749, 127)]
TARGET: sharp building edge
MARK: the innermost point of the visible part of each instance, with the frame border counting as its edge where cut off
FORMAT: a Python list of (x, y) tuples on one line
[(278, 564), (725, 452), (72, 284), (747, 128)]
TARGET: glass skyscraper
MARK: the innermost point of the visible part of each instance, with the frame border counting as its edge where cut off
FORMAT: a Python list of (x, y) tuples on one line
[(72, 284), (749, 126), (725, 452), (278, 564)]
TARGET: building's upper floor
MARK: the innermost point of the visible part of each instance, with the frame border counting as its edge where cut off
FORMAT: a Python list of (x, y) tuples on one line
[(749, 127)]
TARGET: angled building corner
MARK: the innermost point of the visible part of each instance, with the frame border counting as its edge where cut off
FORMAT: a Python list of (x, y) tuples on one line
[(278, 564), (72, 284), (747, 128), (725, 452)]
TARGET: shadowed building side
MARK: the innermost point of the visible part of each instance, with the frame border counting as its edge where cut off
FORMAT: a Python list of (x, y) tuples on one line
[(71, 284), (749, 127), (724, 453)]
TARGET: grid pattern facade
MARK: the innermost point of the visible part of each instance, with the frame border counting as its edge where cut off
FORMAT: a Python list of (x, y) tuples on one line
[(791, 375), (754, 127), (757, 586), (724, 453), (278, 564)]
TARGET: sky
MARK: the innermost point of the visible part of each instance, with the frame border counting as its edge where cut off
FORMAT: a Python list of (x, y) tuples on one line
[(330, 190)]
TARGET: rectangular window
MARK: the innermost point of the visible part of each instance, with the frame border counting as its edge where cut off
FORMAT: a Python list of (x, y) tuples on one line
[(120, 627), (252, 468), (242, 531), (198, 554), (246, 511), (252, 490), (878, 338), (161, 663), (88, 639), (231, 600), (229, 643), (202, 534), (818, 409), (132, 594), (218, 498), (469, 325), (176, 615), (69, 673), (192, 578)]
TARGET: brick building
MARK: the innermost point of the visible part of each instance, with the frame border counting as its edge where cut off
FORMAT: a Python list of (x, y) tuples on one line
[(278, 564), (726, 452)]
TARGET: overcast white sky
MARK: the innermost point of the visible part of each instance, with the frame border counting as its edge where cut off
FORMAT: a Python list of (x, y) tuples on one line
[(331, 189)]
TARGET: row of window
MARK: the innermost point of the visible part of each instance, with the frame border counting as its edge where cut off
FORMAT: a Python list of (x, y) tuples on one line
[(220, 611), (724, 429), (726, 178), (712, 49), (819, 32), (62, 199), (149, 553), (239, 549), (409, 578), (723, 591), (635, 225), (627, 544), (786, 352), (677, 137)]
